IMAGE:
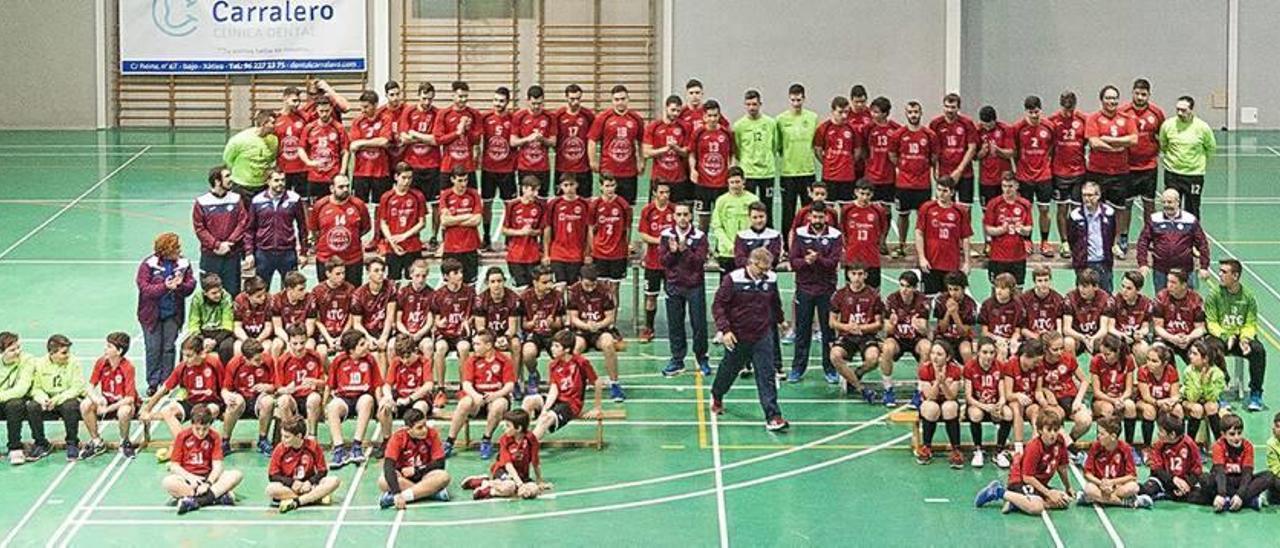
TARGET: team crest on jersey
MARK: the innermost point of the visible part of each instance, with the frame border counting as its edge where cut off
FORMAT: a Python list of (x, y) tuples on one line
[(620, 150), (1017, 211), (332, 137), (848, 134), (950, 216), (1044, 134), (206, 372), (298, 124), (1120, 122), (1151, 119), (577, 210), (364, 367)]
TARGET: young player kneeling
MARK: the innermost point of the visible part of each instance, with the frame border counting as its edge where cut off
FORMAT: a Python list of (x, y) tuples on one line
[(297, 473), (1110, 475), (414, 464), (1028, 490), (197, 478), (571, 374), (517, 453)]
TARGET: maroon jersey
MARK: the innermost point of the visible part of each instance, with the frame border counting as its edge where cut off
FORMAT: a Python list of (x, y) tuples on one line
[(571, 376), (498, 156), (1024, 380), (488, 374), (406, 377), (1116, 463), (1112, 377), (954, 139), (400, 212), (351, 377), (532, 155), (1130, 317), (568, 220), (952, 372), (653, 220), (618, 135), (1032, 143), (241, 375), (372, 307), (611, 220), (452, 310), (1002, 319), (324, 143), (410, 452), (915, 150), (497, 313), (993, 165), (878, 140), (459, 238), (1181, 458), (712, 149), (457, 150), (906, 312), (1233, 459), (1159, 384), (291, 369), (1087, 314), (1060, 378), (521, 452), (1008, 247), (333, 306), (392, 116), (1068, 144), (968, 314), (413, 306), (945, 228), (692, 116), (288, 129), (541, 310), (670, 166), (1180, 315), (591, 305), (857, 307), (1042, 313), (195, 454), (370, 161), (838, 143), (202, 381), (984, 383), (1039, 461), (420, 120), (253, 318), (571, 140), (862, 227), (532, 215)]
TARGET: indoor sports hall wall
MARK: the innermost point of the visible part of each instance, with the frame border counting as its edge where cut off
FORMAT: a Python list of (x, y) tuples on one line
[(46, 57)]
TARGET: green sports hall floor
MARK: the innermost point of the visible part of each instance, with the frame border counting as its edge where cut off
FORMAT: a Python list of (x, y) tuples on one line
[(78, 210)]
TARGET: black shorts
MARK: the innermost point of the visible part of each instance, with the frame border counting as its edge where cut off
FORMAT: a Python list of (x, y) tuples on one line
[(314, 190), (614, 270), (351, 404), (907, 345), (839, 191), (470, 264), (296, 182), (544, 181), (399, 411), (1142, 184), (883, 194), (1115, 188), (628, 188), (565, 273), (987, 193), (251, 407), (187, 406), (1065, 404), (681, 191), (910, 199), (563, 414), (427, 181), (1021, 489), (1018, 269), (964, 189), (1067, 189), (398, 265), (1036, 192), (542, 343), (521, 273), (653, 280), (934, 281), (300, 403), (450, 343), (855, 345), (593, 337), (993, 418), (370, 189), (502, 185), (704, 198)]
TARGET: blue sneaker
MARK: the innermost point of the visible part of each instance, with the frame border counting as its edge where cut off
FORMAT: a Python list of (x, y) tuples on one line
[(1137, 457), (187, 504), (264, 446), (704, 366), (868, 396), (1254, 503), (891, 399), (227, 499), (916, 399), (531, 386), (992, 492), (673, 368), (226, 447), (387, 500), (357, 453), (832, 378), (448, 449), (615, 392), (339, 458), (794, 376), (1255, 402), (486, 449), (441, 496)]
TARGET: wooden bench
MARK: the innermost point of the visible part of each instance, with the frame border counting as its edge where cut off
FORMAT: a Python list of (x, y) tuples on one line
[(597, 413)]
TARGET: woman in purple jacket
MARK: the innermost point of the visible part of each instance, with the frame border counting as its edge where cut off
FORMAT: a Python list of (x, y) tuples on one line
[(165, 280)]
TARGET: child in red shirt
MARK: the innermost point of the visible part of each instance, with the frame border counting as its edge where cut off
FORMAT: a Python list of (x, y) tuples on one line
[(571, 375), (1028, 490), (414, 465), (517, 455), (1110, 475), (297, 475), (196, 476)]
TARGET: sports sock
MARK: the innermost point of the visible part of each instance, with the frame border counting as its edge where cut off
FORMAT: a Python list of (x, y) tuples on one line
[(1129, 425), (1044, 235), (1215, 426), (886, 381), (649, 316), (1002, 433), (953, 432), (451, 439), (1148, 428), (929, 427), (975, 432), (1193, 427)]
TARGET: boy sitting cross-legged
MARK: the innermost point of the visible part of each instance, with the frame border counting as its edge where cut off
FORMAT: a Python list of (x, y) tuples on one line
[(414, 464), (1032, 470), (1109, 472), (297, 474)]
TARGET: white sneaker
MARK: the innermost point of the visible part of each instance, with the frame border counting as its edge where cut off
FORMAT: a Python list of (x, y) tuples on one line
[(978, 459), (1002, 459), (17, 457)]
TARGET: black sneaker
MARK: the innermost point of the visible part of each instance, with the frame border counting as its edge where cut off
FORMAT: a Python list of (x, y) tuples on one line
[(39, 451), (377, 452), (128, 449), (151, 390)]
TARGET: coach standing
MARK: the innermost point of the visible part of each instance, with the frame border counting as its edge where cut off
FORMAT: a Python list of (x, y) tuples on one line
[(1091, 230), (682, 251), (1168, 238), (220, 219), (815, 257), (1186, 143), (746, 309), (250, 154), (277, 225)]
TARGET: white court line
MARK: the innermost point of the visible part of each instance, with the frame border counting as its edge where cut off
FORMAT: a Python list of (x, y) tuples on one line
[(102, 493), (1255, 275), (98, 200), (351, 491), (72, 203), (1274, 151), (395, 528), (36, 506), (1053, 531), (721, 514), (80, 504), (1097, 508)]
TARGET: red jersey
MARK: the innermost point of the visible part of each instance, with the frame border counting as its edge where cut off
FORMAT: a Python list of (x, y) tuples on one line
[(324, 143), (392, 117), (1180, 315), (253, 318), (618, 135), (1042, 313), (1233, 459), (333, 306), (518, 215), (968, 315), (692, 116), (993, 165), (452, 310), (568, 219), (371, 161), (857, 307), (906, 312), (862, 227), (860, 119), (520, 452), (372, 307), (241, 376), (405, 377), (488, 374), (838, 143), (410, 452), (1116, 463), (291, 369), (1142, 156), (1008, 247), (458, 238), (457, 150), (497, 313), (1060, 378), (289, 312), (1032, 143), (611, 220), (302, 464), (202, 381), (339, 227), (420, 120), (413, 306), (984, 383), (712, 149), (541, 310), (1131, 317), (1181, 458), (1068, 144), (571, 140), (1112, 377), (351, 378), (877, 139), (1039, 461), (532, 156), (954, 140), (1099, 124), (498, 156), (653, 220), (1002, 319), (1024, 380), (572, 376), (1087, 313), (195, 454), (952, 372), (591, 305), (288, 129), (1159, 384), (945, 228), (401, 212), (115, 382), (916, 150), (670, 166)]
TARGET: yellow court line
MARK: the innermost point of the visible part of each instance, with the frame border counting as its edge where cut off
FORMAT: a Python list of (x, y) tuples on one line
[(702, 411)]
